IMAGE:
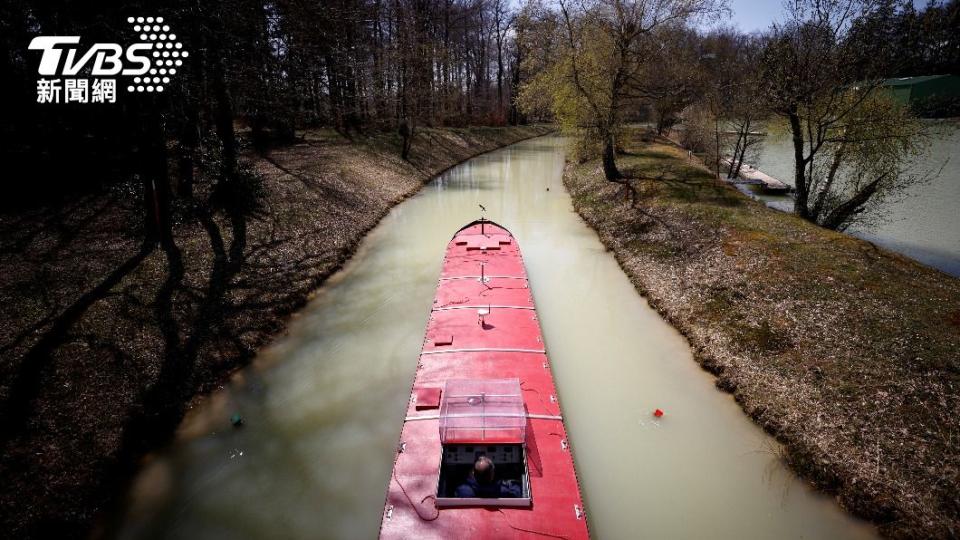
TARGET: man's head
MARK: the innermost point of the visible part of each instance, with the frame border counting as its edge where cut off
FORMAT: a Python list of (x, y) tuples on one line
[(483, 470)]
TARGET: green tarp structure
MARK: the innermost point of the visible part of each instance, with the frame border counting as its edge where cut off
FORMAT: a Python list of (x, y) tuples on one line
[(910, 90)]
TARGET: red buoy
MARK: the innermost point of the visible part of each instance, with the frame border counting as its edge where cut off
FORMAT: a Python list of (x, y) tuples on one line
[(658, 413)]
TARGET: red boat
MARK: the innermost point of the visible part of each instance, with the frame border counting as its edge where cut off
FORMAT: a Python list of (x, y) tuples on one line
[(483, 452)]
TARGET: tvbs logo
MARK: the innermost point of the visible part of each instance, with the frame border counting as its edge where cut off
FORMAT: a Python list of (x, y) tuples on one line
[(88, 76)]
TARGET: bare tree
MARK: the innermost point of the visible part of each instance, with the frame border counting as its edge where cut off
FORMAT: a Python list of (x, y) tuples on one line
[(599, 72), (502, 21), (731, 61), (671, 78), (852, 144)]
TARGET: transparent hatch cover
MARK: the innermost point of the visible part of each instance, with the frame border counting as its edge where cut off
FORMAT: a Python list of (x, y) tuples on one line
[(482, 410)]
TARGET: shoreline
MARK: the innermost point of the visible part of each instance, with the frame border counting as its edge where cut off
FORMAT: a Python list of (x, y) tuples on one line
[(903, 232), (140, 341), (841, 350)]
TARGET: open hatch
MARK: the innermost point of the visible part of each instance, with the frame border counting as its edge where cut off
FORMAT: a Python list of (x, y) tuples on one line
[(483, 418)]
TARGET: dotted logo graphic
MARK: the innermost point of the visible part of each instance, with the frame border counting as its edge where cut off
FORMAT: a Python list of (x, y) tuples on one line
[(166, 57)]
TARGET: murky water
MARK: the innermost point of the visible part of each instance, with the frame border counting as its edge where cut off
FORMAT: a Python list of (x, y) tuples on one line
[(324, 405), (923, 225)]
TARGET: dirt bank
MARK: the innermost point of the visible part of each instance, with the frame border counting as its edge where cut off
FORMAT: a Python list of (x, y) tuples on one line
[(104, 343), (846, 352)]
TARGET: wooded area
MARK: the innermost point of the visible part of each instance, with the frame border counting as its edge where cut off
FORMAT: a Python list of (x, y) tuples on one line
[(265, 68), (269, 68), (818, 72)]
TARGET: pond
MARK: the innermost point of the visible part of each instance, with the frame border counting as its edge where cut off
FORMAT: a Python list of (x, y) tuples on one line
[(923, 225)]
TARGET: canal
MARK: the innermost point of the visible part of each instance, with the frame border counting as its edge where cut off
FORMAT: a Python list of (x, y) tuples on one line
[(323, 405)]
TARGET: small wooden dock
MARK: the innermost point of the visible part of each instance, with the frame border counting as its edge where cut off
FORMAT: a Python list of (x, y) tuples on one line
[(751, 175)]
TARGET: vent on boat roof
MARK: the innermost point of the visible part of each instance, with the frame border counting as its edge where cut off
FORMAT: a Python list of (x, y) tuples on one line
[(485, 410), (482, 245), (426, 397), (493, 241)]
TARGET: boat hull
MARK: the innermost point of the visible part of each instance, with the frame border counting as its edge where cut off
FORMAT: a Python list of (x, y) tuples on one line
[(484, 325)]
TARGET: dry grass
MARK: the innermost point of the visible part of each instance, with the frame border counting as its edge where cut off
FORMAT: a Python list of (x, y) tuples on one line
[(104, 344), (845, 352)]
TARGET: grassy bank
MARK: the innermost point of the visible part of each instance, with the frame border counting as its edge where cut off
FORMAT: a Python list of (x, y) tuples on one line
[(846, 352), (105, 343)]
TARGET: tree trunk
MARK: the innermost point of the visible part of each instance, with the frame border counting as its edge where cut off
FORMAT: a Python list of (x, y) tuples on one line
[(733, 171), (516, 117), (839, 217), (821, 197), (716, 139), (610, 170), (799, 167), (186, 149), (738, 159), (151, 210), (406, 132), (156, 184), (743, 151), (223, 118)]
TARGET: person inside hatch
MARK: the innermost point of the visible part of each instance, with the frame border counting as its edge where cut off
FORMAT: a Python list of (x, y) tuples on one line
[(482, 482)]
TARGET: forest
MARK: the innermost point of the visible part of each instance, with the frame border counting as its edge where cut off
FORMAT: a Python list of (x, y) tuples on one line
[(270, 68), (266, 69)]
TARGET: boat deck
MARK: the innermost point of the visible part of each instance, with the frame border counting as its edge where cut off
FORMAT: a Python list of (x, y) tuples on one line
[(507, 344)]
